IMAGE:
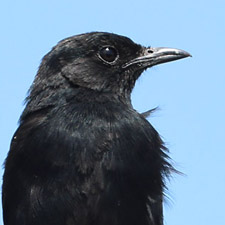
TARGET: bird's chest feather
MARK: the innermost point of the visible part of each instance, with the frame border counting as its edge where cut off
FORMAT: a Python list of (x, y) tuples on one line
[(90, 143), (96, 157), (96, 142), (100, 133)]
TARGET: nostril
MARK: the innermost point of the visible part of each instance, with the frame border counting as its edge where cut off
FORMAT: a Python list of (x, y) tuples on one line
[(150, 51)]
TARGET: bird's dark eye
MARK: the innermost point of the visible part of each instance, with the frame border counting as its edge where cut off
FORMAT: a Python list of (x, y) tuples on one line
[(108, 54)]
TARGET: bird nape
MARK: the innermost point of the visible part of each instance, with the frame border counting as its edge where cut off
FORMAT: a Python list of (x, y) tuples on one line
[(81, 154)]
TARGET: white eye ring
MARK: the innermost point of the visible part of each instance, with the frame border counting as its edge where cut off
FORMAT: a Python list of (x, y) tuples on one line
[(108, 54)]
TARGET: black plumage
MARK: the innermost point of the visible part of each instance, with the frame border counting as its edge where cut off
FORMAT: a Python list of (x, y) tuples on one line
[(82, 155)]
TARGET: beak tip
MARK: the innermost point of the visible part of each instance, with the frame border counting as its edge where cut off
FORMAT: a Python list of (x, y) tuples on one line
[(187, 54), (182, 53)]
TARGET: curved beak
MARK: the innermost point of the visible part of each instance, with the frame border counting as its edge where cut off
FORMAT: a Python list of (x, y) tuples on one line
[(154, 56)]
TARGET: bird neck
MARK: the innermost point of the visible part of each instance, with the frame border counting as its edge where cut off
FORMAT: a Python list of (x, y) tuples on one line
[(57, 97)]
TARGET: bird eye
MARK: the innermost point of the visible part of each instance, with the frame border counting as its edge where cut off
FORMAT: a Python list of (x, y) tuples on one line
[(108, 54)]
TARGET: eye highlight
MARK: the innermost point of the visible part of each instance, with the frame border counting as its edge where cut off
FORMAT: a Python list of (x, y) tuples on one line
[(108, 54)]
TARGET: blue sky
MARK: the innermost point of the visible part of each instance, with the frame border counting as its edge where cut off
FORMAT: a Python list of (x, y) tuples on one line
[(189, 92)]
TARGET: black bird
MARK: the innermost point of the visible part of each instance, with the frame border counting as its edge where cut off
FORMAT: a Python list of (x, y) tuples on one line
[(82, 155)]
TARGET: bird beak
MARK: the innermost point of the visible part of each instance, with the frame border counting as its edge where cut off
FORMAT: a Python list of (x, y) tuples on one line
[(154, 56)]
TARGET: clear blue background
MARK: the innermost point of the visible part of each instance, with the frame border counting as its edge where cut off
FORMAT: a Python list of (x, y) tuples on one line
[(189, 92)]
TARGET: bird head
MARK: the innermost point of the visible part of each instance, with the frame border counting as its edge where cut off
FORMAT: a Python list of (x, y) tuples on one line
[(99, 61)]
